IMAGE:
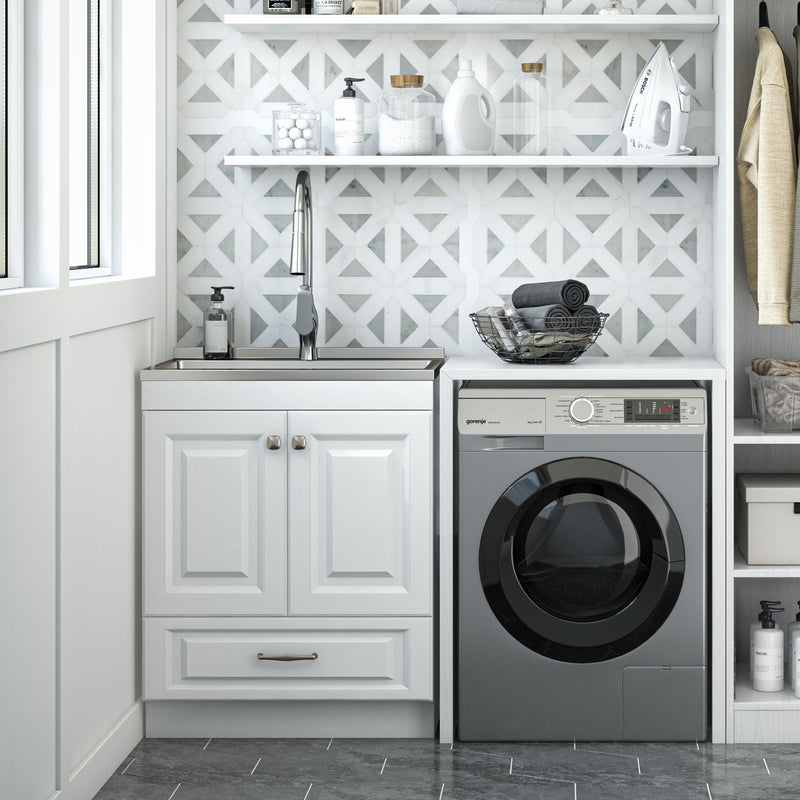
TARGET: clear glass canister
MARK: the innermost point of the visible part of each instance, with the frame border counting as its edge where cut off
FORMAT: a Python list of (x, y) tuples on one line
[(531, 111), (296, 131), (406, 118)]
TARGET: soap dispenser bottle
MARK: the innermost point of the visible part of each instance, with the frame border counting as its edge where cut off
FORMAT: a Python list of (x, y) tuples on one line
[(768, 654), (468, 116), (348, 122), (217, 326), (792, 630), (754, 626)]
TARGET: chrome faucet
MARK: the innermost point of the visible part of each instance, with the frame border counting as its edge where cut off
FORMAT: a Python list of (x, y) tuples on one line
[(306, 322)]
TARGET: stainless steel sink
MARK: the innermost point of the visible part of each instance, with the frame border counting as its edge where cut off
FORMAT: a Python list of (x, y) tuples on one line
[(293, 363), (334, 363)]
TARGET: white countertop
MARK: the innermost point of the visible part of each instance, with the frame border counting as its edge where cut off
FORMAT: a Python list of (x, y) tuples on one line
[(490, 367)]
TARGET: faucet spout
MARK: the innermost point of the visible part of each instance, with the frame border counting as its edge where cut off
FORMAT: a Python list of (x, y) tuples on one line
[(300, 263)]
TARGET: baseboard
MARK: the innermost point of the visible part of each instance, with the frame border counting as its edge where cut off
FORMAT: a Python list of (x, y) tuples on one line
[(90, 775), (289, 719)]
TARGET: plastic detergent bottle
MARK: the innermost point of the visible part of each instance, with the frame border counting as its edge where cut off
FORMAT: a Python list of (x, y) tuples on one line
[(468, 116)]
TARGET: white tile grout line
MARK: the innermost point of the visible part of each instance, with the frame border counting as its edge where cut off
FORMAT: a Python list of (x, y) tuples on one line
[(441, 792), (207, 744), (697, 744), (575, 791), (173, 792), (307, 791), (511, 766), (639, 765), (765, 766), (708, 789), (252, 771), (126, 768), (574, 744), (384, 764), (329, 744)]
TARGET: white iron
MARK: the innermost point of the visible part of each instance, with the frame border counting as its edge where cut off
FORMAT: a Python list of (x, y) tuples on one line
[(658, 110)]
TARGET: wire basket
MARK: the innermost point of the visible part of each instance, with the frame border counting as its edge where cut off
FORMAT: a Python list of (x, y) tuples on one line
[(548, 347)]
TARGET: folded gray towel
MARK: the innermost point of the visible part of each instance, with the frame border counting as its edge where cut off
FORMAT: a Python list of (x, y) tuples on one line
[(587, 319), (569, 293), (553, 317)]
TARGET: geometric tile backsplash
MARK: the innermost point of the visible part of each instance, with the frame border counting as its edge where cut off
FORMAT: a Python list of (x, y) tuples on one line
[(401, 256)]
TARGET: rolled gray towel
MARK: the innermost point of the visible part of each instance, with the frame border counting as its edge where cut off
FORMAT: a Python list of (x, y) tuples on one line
[(553, 317), (570, 293), (587, 319)]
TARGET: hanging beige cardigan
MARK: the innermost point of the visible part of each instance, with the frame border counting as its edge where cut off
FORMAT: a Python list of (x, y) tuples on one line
[(767, 167)]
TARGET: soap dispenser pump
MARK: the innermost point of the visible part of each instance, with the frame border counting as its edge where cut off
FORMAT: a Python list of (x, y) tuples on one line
[(348, 122), (217, 326), (768, 652)]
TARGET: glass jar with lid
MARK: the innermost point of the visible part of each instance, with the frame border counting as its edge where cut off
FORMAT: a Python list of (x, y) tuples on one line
[(406, 118), (531, 110)]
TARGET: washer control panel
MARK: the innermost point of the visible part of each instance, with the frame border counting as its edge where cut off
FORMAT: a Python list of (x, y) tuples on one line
[(535, 412)]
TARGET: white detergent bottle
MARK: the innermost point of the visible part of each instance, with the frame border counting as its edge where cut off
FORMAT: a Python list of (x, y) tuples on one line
[(790, 629), (768, 655), (468, 116), (754, 626), (795, 659)]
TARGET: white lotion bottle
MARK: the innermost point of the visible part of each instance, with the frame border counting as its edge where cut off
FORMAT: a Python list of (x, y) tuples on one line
[(768, 652), (754, 626), (348, 122), (468, 116), (795, 660), (790, 629)]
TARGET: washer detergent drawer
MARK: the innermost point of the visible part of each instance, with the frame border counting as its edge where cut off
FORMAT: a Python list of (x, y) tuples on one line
[(288, 659)]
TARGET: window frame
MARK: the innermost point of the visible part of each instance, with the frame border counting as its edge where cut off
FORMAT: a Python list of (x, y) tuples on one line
[(15, 153), (105, 128)]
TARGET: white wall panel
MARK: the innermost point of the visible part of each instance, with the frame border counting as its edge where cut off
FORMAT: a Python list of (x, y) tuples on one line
[(28, 654), (100, 533)]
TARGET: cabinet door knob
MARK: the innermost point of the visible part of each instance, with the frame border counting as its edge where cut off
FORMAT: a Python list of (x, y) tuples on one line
[(299, 442), (273, 442)]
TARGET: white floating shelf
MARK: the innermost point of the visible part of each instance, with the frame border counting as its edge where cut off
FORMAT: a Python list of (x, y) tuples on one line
[(522, 25), (747, 698), (741, 569), (746, 431), (471, 161)]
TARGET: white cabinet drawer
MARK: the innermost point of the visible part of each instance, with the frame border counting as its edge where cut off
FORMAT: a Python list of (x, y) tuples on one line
[(356, 659)]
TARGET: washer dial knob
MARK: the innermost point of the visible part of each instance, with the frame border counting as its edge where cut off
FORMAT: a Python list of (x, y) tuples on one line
[(581, 409)]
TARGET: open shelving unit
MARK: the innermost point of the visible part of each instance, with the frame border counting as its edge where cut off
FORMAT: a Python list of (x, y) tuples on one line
[(675, 162), (520, 24)]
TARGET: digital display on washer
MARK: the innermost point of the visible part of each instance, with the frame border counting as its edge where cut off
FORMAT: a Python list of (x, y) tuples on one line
[(647, 410)]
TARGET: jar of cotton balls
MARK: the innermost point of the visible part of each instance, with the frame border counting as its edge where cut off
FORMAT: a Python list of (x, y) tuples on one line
[(296, 131)]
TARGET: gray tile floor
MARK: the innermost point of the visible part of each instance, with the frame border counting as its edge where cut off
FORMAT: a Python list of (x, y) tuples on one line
[(417, 769)]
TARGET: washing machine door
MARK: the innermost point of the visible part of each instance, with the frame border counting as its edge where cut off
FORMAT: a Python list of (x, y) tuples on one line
[(581, 560)]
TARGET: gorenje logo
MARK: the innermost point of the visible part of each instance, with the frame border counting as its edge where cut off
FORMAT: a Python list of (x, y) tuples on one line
[(476, 422)]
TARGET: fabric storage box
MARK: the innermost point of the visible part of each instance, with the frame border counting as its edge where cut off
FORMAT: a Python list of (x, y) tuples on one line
[(775, 401), (768, 517)]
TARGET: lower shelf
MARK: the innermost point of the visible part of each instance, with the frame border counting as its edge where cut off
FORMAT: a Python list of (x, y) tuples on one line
[(747, 698)]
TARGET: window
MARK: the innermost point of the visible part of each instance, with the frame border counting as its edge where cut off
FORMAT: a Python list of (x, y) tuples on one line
[(87, 161), (11, 144)]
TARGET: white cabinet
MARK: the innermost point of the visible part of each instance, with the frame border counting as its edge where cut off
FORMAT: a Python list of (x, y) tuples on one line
[(360, 497), (282, 533), (215, 513)]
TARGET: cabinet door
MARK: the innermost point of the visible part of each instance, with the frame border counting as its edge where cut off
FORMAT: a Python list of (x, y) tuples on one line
[(214, 512), (360, 512)]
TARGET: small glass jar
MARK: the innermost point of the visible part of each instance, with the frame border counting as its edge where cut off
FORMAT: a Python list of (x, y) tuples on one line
[(281, 6), (296, 131), (531, 111), (406, 118)]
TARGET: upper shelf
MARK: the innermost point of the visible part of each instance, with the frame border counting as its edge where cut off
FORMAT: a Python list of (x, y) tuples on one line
[(522, 24), (471, 161)]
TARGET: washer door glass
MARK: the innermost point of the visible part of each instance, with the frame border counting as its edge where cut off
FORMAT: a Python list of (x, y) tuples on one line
[(581, 560)]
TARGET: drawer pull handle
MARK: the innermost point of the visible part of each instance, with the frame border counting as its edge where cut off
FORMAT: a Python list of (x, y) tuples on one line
[(299, 442), (273, 442), (312, 657)]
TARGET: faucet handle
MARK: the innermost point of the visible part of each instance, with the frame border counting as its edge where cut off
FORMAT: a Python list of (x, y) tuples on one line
[(306, 321)]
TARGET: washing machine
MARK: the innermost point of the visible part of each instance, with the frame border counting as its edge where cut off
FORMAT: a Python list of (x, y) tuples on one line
[(581, 540)]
